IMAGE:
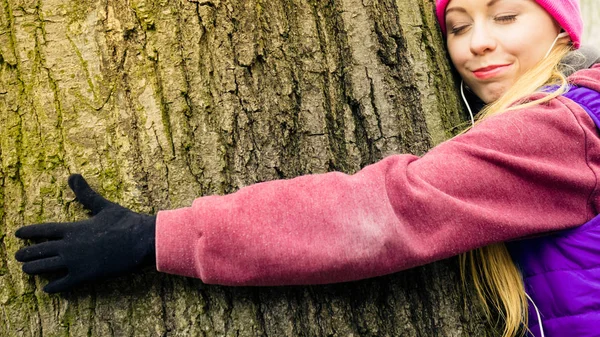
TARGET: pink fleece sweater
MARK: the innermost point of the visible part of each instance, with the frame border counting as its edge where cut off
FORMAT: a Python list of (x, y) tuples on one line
[(514, 175)]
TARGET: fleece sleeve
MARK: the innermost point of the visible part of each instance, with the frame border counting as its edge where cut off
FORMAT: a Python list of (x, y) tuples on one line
[(514, 175)]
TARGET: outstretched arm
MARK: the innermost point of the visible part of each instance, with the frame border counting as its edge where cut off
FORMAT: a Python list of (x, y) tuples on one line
[(521, 173), (517, 174)]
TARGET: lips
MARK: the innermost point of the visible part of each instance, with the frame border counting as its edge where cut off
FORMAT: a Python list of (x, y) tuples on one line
[(491, 71)]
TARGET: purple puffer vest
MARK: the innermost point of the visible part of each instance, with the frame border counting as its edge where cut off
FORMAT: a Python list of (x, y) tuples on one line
[(561, 271)]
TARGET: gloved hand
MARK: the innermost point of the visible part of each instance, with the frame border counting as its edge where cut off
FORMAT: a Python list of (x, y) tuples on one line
[(113, 241)]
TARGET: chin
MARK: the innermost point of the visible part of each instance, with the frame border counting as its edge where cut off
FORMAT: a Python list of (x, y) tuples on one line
[(491, 95), (487, 99)]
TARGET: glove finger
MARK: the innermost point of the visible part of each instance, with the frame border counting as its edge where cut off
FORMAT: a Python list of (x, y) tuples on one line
[(43, 266), (50, 230), (60, 285), (38, 251), (89, 198)]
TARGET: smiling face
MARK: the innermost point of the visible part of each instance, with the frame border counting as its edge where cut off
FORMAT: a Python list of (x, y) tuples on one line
[(492, 43)]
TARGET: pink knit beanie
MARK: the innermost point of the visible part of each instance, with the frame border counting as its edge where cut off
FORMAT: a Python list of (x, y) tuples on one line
[(565, 12)]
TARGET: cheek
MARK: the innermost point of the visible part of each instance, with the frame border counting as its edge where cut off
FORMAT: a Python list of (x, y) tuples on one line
[(528, 43), (525, 53), (458, 55), (520, 51)]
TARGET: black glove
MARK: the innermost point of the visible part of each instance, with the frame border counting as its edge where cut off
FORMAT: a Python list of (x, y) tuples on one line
[(113, 241)]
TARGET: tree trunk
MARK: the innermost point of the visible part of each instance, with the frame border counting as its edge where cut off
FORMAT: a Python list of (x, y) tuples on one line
[(159, 102)]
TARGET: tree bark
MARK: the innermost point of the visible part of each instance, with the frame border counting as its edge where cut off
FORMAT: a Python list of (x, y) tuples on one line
[(159, 102)]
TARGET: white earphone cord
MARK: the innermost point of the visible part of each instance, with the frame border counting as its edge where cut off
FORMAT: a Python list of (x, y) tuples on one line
[(539, 317), (462, 93), (563, 34)]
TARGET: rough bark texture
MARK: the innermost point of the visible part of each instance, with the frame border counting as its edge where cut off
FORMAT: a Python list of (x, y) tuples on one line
[(159, 102)]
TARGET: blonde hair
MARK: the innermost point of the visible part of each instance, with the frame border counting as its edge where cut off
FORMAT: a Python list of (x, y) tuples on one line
[(497, 280)]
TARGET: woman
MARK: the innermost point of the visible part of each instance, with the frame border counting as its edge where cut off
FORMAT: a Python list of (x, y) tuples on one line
[(529, 166)]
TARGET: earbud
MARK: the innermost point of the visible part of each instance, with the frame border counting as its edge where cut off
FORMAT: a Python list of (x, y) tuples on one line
[(560, 35)]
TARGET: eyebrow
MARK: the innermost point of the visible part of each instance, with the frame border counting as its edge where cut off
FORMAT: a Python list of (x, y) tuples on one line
[(462, 10)]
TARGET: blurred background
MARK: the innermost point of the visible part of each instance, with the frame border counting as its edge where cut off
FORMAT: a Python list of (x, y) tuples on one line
[(591, 18)]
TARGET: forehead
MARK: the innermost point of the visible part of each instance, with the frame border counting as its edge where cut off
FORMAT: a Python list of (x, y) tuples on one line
[(461, 5)]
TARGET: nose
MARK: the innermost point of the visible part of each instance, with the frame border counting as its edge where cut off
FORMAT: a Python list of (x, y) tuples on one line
[(482, 40)]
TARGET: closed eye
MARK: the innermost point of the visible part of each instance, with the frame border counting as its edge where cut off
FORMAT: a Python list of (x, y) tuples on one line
[(506, 18), (458, 29)]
